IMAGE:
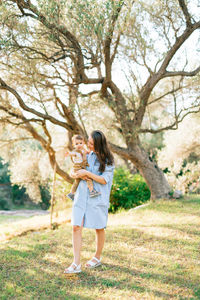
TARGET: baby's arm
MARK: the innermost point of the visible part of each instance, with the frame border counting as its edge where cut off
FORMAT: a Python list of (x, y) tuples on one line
[(70, 153)]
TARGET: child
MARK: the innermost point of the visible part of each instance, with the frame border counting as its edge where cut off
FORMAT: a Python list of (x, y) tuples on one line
[(78, 157)]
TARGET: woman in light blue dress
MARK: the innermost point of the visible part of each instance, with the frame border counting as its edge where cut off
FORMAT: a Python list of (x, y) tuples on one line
[(92, 212)]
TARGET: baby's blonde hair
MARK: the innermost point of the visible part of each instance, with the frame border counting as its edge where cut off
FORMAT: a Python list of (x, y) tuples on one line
[(77, 137)]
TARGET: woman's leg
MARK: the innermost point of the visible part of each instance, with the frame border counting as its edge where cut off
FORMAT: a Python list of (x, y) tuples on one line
[(100, 239), (77, 242)]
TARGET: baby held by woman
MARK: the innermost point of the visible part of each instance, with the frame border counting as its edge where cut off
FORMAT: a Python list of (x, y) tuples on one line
[(79, 159)]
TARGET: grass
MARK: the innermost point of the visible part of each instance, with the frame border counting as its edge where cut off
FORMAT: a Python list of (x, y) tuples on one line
[(9, 219), (150, 253), (11, 226)]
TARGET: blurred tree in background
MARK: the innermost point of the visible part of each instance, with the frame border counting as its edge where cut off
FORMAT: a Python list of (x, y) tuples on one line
[(13, 195), (181, 155)]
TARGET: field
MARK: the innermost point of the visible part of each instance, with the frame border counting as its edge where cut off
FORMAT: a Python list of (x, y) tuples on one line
[(152, 252)]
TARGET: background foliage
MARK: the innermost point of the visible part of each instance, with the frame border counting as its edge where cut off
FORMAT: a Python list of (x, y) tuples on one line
[(128, 190)]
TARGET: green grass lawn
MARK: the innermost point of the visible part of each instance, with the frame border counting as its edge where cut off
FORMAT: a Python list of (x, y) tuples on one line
[(150, 253)]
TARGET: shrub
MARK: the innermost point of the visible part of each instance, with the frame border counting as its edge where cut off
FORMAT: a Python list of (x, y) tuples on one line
[(128, 190), (3, 204), (18, 194), (45, 197), (4, 173)]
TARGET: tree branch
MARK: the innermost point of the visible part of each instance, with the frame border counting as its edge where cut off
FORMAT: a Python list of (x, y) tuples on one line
[(185, 12), (115, 49), (89, 94), (182, 73), (162, 73), (12, 141), (52, 157), (178, 43), (123, 152), (173, 126), (53, 120), (108, 40), (45, 144), (69, 37), (168, 93)]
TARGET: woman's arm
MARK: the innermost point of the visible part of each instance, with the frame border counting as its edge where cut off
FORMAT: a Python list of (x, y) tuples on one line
[(84, 173)]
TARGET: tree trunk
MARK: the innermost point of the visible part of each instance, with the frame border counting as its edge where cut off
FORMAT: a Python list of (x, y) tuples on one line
[(152, 174)]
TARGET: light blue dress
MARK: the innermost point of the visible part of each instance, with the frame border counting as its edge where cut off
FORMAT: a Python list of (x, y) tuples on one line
[(93, 210)]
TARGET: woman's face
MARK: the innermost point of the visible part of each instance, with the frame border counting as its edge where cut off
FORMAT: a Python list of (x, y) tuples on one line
[(90, 143)]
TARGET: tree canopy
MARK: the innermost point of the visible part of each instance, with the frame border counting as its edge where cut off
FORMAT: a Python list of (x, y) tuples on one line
[(58, 57)]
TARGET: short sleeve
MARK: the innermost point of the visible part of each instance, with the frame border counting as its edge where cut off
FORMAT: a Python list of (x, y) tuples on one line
[(108, 173)]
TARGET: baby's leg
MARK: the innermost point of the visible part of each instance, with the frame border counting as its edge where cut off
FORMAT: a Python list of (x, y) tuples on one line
[(93, 192), (75, 185), (90, 184)]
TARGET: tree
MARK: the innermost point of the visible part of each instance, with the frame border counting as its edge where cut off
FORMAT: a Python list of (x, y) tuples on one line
[(51, 46)]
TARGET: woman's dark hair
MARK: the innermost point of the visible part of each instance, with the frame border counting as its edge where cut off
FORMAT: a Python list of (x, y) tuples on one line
[(102, 150)]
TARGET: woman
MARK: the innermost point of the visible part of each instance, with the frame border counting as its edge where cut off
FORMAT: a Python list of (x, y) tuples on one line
[(92, 212)]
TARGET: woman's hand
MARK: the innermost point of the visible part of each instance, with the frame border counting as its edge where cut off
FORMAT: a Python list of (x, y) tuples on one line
[(83, 174), (79, 174)]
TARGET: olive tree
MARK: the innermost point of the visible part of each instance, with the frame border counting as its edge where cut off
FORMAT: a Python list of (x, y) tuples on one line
[(56, 54)]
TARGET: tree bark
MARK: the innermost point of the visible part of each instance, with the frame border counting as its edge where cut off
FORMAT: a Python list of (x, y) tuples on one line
[(152, 174)]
